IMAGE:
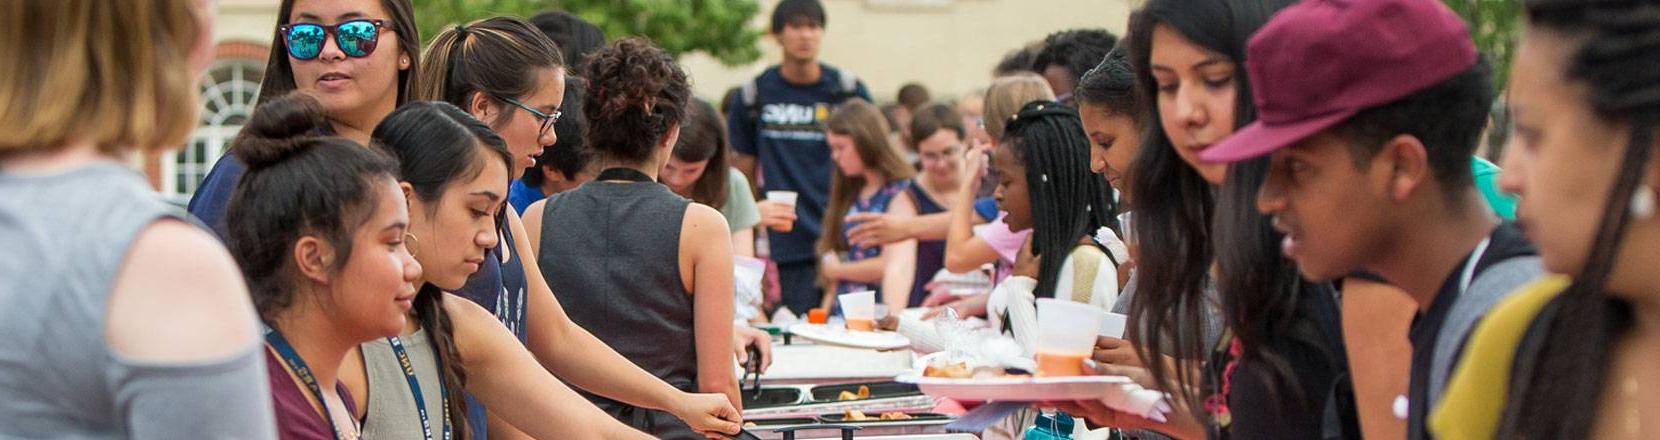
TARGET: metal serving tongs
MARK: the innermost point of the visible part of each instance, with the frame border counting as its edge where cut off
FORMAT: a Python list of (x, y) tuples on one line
[(753, 369)]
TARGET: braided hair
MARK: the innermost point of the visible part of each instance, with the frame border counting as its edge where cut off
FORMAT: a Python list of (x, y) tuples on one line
[(1068, 200), (1566, 368), (1111, 85)]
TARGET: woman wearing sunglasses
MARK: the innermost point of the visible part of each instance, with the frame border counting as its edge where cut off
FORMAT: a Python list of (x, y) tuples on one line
[(508, 74), (358, 57)]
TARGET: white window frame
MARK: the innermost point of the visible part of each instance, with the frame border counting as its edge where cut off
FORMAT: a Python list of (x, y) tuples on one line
[(232, 97)]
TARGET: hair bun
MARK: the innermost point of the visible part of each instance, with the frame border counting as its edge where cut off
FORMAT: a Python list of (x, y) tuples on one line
[(279, 128)]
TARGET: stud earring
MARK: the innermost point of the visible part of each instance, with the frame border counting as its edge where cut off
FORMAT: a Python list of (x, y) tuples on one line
[(1642, 203)]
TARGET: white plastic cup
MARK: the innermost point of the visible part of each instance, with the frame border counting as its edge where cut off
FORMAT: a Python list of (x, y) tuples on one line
[(785, 197), (859, 310), (1112, 324), (1067, 327)]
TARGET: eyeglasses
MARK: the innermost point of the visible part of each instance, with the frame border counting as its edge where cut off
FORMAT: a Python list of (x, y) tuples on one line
[(356, 38), (547, 119), (950, 152)]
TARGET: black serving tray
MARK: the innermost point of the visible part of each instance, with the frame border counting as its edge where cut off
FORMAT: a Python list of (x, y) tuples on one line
[(772, 398), (878, 390), (915, 417)]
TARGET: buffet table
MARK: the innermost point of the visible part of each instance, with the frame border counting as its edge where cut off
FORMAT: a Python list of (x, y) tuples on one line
[(812, 388)]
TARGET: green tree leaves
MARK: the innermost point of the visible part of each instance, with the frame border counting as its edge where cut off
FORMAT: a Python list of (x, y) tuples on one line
[(1494, 25), (719, 28)]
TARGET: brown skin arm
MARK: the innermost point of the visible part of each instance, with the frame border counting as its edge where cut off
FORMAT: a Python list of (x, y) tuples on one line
[(1376, 318)]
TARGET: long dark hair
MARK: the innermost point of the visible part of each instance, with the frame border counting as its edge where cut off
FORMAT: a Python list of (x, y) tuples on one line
[(497, 56), (300, 182), (1560, 380), (438, 144), (703, 137), (1172, 200), (1069, 201), (279, 72), (1259, 289)]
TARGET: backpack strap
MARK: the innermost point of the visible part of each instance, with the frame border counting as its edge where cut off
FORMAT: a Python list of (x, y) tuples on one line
[(849, 84), (750, 95)]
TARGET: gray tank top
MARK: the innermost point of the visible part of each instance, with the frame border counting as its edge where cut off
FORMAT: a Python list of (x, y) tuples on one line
[(392, 413), (611, 251), (63, 237)]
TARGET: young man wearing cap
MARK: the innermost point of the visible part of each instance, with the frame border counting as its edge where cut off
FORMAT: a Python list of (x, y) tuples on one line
[(778, 124), (1370, 151)]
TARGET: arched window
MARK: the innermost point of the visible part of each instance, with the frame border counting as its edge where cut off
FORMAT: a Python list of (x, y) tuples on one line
[(228, 93)]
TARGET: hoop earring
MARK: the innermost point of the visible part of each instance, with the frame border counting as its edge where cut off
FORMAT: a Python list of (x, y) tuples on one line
[(410, 237), (1642, 202)]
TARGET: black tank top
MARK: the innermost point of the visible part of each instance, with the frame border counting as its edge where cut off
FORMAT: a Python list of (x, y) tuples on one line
[(611, 252)]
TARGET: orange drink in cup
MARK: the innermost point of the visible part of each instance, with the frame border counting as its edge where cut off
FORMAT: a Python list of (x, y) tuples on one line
[(859, 310), (1060, 364), (1066, 336), (787, 198)]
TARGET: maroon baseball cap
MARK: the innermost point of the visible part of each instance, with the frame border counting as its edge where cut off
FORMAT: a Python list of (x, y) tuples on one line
[(1317, 63)]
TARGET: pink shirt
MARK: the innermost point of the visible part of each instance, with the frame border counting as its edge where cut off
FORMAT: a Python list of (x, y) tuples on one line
[(1007, 243)]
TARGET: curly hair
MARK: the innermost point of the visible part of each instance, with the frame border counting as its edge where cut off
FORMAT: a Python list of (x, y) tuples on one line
[(635, 94)]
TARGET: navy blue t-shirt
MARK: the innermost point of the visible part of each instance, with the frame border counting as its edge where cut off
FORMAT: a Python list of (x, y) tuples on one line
[(214, 194), (785, 129)]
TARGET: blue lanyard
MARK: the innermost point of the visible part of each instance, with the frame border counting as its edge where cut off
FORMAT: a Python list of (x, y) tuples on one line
[(408, 369), (296, 364)]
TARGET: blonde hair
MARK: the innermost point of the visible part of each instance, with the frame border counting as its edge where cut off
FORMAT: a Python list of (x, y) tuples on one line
[(862, 121), (1007, 94), (115, 73)]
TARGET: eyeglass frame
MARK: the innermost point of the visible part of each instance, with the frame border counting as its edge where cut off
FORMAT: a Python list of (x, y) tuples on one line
[(547, 119)]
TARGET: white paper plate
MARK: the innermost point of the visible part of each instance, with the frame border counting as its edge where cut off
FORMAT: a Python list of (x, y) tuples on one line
[(824, 334), (1020, 389)]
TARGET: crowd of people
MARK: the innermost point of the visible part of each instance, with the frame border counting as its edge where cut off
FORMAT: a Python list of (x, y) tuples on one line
[(522, 230)]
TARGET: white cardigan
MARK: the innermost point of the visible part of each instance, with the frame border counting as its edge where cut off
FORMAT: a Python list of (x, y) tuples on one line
[(1015, 297)]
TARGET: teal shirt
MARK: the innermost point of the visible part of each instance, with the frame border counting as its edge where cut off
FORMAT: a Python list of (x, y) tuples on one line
[(1487, 180)]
